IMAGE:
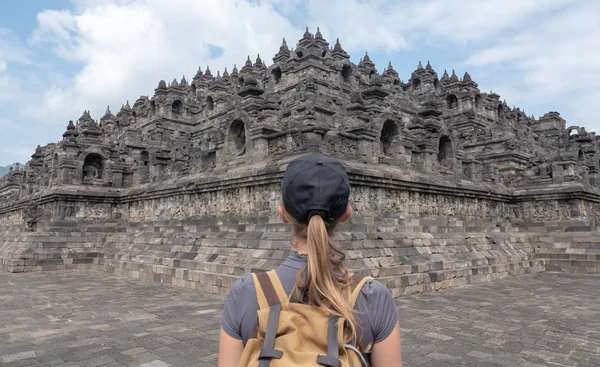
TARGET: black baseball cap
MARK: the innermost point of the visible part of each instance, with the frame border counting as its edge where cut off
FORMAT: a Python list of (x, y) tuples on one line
[(315, 184)]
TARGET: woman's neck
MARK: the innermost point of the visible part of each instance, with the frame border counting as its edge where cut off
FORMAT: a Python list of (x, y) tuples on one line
[(300, 245)]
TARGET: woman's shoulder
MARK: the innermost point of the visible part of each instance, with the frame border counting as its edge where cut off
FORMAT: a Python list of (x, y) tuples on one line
[(374, 291), (244, 285), (380, 308), (374, 287)]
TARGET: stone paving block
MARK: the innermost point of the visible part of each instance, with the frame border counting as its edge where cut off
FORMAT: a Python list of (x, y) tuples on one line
[(8, 358), (480, 320), (155, 363)]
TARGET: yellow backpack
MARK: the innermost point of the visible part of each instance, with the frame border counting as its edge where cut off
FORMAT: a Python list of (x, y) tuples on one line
[(293, 334)]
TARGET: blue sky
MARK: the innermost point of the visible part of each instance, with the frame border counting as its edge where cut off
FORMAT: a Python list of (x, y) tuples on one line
[(58, 58)]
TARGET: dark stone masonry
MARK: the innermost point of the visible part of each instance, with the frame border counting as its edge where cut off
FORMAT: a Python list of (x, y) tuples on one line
[(450, 185)]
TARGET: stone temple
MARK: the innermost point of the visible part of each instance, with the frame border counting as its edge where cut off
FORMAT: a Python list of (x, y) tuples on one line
[(450, 185)]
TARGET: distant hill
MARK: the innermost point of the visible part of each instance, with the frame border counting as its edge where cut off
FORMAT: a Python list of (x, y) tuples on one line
[(5, 170)]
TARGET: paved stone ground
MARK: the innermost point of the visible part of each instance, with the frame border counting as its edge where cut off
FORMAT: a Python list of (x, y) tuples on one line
[(93, 319)]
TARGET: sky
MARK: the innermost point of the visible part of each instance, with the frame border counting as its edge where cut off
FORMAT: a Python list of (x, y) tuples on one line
[(61, 57)]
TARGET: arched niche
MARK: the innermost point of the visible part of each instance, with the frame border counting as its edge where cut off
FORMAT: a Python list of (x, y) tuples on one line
[(236, 138), (580, 156), (572, 132), (451, 101), (389, 137), (445, 152), (93, 168), (152, 108), (478, 101), (500, 112), (416, 83), (276, 74), (346, 73), (177, 108), (210, 103)]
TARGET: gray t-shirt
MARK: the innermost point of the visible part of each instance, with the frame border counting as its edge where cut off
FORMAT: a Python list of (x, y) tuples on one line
[(377, 311)]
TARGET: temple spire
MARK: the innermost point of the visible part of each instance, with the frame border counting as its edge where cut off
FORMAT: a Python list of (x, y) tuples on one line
[(318, 35), (467, 77), (338, 51), (284, 46), (367, 61), (338, 46), (307, 34), (420, 66), (258, 61), (454, 78)]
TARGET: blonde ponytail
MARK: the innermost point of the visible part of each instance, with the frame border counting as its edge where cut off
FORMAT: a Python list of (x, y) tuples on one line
[(328, 283)]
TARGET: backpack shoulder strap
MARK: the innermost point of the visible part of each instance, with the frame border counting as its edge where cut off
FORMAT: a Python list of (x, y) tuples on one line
[(270, 295), (269, 290), (358, 281)]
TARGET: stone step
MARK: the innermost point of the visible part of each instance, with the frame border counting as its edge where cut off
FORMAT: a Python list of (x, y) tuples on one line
[(565, 245), (408, 284), (573, 266), (567, 256), (212, 261), (575, 251)]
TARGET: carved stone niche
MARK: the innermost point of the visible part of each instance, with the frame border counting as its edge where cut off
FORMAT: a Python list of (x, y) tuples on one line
[(390, 139), (93, 169), (142, 169), (446, 155), (236, 139)]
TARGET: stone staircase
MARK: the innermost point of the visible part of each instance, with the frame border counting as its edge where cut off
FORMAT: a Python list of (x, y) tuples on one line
[(45, 251), (407, 256), (576, 252)]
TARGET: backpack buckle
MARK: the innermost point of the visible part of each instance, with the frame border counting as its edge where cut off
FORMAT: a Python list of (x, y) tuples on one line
[(270, 353)]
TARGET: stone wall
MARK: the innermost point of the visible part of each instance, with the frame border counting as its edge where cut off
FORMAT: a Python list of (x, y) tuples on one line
[(370, 196), (210, 255)]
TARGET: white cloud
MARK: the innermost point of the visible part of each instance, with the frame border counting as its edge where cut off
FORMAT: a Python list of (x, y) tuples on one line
[(393, 25), (555, 61), (127, 48)]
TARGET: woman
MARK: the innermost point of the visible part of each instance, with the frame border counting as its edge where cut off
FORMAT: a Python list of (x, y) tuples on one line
[(315, 192)]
